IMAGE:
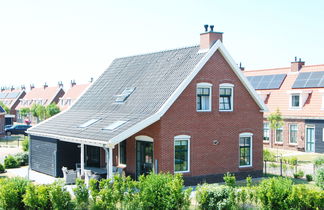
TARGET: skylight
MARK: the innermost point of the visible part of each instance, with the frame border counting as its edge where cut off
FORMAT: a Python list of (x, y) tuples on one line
[(88, 123), (114, 125), (124, 95)]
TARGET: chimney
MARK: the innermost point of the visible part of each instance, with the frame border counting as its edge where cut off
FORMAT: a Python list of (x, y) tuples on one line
[(22, 87), (241, 67), (60, 84), (32, 86), (91, 79), (297, 65), (3, 89), (208, 38), (73, 83), (12, 88), (45, 85)]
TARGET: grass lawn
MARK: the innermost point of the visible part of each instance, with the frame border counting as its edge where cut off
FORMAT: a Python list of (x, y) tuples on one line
[(301, 156), (11, 140)]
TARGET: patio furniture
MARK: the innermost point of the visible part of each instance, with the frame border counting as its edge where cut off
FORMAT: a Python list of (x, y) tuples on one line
[(69, 176), (117, 171)]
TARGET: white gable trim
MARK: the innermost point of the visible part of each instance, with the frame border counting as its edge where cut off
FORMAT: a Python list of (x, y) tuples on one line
[(155, 117)]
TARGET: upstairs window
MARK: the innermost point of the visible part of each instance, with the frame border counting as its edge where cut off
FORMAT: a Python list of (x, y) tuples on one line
[(266, 132), (295, 100), (226, 97), (204, 97), (125, 94)]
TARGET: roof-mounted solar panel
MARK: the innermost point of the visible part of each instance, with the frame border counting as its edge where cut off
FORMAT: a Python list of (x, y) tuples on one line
[(265, 82), (309, 80), (124, 95), (12, 95), (3, 95)]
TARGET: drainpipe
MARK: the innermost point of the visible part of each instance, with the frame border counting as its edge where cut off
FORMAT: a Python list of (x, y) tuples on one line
[(29, 156)]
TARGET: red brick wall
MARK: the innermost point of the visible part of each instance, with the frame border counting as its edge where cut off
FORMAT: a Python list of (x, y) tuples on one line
[(183, 119)]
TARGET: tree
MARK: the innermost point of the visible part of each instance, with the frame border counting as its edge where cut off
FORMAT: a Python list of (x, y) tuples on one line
[(24, 112), (52, 110), (4, 107), (38, 111), (276, 121)]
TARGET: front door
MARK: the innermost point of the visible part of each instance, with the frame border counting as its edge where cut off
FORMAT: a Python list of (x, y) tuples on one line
[(144, 157), (310, 139), (93, 156)]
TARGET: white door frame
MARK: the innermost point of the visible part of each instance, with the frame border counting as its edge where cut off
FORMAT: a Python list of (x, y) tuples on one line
[(309, 126)]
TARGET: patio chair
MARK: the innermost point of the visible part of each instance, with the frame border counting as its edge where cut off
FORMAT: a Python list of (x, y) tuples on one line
[(117, 171), (69, 176)]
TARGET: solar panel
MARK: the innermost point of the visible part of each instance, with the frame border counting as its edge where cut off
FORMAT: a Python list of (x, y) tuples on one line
[(264, 82), (309, 80), (3, 95), (13, 95)]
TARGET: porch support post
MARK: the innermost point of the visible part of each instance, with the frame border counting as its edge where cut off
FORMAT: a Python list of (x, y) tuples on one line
[(82, 159), (109, 164)]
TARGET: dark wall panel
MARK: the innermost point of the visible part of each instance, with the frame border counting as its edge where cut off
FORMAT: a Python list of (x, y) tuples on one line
[(319, 143), (43, 153), (67, 156)]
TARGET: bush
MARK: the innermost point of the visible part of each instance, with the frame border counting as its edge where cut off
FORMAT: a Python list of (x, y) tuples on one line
[(319, 161), (59, 197), (37, 197), (81, 194), (302, 197), (2, 169), (11, 193), (162, 191), (248, 181), (11, 162), (22, 158), (309, 177), (213, 196), (25, 144), (293, 161), (273, 192), (319, 178), (268, 156), (229, 179), (299, 174)]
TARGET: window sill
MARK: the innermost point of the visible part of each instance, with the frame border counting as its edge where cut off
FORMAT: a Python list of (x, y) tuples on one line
[(295, 109), (203, 110), (247, 166), (293, 144), (120, 165), (181, 172), (279, 143), (266, 142), (225, 110)]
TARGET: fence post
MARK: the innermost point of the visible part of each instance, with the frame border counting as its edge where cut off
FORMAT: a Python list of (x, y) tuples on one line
[(280, 167), (265, 167)]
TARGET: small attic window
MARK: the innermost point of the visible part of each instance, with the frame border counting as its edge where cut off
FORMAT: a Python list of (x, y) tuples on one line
[(124, 95), (88, 123), (114, 125)]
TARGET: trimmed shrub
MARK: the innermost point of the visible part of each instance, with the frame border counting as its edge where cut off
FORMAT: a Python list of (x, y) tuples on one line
[(319, 178), (11, 193), (273, 193), (229, 179), (81, 193), (2, 169), (268, 156), (22, 158), (319, 161), (11, 162), (248, 181), (299, 174), (59, 197), (162, 191), (25, 144), (303, 197), (213, 196), (37, 197), (309, 177)]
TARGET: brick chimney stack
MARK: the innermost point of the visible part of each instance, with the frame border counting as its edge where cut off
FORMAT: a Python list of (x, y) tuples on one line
[(73, 83), (297, 65), (208, 38)]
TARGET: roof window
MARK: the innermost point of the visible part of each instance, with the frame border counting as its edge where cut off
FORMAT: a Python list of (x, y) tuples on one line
[(124, 95), (88, 123), (114, 125)]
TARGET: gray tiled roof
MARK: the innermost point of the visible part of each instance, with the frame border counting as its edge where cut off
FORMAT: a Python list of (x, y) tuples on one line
[(155, 77)]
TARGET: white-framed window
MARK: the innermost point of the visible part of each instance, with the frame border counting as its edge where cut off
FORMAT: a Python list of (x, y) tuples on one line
[(279, 135), (122, 152), (295, 100), (226, 97), (203, 94), (293, 130), (266, 131), (245, 144), (323, 134), (181, 154)]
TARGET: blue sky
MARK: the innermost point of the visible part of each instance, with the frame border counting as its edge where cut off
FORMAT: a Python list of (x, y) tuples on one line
[(50, 41)]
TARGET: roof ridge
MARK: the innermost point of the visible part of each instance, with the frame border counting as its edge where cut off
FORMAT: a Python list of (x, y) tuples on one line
[(162, 51)]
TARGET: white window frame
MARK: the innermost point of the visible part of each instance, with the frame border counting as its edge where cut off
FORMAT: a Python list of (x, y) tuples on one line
[(269, 132), (205, 85), (279, 142), (289, 131), (231, 86), (250, 135), (181, 138), (300, 101)]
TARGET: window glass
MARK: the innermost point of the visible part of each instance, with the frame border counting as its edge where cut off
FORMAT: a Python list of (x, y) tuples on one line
[(181, 155), (203, 99), (295, 100), (266, 131), (122, 152), (245, 151), (279, 135), (225, 98), (293, 133)]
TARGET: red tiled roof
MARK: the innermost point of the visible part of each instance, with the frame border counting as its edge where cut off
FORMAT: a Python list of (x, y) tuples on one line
[(72, 94)]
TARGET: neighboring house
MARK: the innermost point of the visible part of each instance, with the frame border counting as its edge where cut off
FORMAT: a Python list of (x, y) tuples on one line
[(2, 120), (188, 110), (298, 92), (11, 98), (43, 95), (71, 95)]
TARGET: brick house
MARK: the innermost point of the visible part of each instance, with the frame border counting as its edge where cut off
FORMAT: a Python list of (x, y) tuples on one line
[(71, 95), (188, 110), (42, 95), (298, 92), (11, 98), (2, 120)]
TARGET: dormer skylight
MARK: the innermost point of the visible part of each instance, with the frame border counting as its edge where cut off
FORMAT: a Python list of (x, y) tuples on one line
[(114, 125), (88, 123), (124, 95)]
